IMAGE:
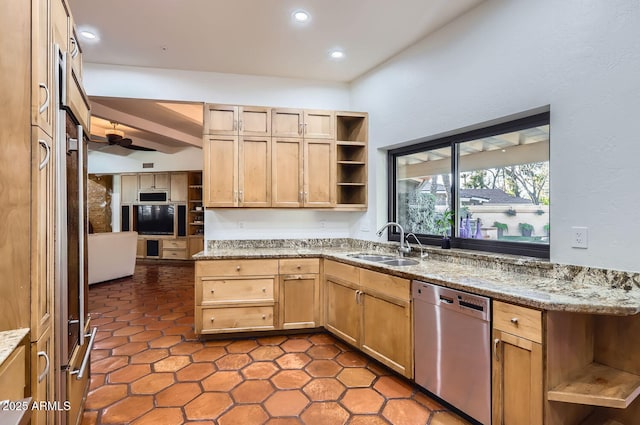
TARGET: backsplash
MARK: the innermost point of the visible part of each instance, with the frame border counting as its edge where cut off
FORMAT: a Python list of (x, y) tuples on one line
[(502, 262)]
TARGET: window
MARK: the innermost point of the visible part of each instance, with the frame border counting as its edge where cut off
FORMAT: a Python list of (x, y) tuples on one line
[(494, 182)]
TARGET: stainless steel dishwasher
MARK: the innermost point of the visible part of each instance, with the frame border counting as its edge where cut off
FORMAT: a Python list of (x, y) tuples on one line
[(452, 347)]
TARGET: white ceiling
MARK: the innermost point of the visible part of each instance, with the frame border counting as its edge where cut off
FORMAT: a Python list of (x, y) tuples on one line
[(259, 37)]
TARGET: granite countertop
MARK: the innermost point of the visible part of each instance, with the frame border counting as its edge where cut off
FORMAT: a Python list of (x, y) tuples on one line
[(531, 282), (9, 341)]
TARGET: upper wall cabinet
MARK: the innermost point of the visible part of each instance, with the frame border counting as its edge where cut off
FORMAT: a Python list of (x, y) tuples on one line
[(303, 123), (228, 120)]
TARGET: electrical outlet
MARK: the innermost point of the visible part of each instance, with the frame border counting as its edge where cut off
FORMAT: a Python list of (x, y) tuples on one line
[(580, 237), (241, 225), (323, 224)]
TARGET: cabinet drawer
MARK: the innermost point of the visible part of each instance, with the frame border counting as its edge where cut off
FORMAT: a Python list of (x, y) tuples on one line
[(237, 318), (174, 244), (299, 266), (520, 321), (237, 290), (178, 254), (237, 268), (12, 375), (341, 271), (385, 284)]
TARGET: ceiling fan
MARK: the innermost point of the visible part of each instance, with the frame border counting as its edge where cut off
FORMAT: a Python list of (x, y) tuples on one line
[(116, 137)]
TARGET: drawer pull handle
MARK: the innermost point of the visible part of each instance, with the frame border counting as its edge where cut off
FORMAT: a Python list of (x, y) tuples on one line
[(264, 289), (299, 266), (514, 320), (213, 290), (264, 317), (237, 268), (213, 318)]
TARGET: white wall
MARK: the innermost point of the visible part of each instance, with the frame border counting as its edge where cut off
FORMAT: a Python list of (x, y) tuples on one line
[(506, 56), (149, 83)]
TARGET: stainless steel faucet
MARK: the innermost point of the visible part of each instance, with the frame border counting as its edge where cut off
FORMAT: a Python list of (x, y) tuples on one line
[(401, 249), (422, 253)]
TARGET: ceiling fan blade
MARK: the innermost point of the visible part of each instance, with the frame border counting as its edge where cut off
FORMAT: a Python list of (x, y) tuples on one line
[(139, 148), (125, 142)]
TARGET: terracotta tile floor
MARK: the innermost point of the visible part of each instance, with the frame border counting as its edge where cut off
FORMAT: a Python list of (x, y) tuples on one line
[(148, 367)]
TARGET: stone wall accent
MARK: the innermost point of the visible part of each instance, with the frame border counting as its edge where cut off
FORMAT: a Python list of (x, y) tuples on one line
[(100, 188)]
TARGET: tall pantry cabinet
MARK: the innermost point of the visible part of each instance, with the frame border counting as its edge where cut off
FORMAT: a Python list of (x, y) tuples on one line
[(27, 184)]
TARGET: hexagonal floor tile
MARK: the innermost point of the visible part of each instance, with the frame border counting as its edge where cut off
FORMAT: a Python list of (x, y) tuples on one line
[(150, 356), (251, 414), (208, 406), (322, 368), (354, 377), (326, 351), (406, 412), (362, 401), (171, 364), (195, 372), (110, 364), (208, 354), (259, 370), (241, 346), (266, 352), (129, 373), (222, 381), (178, 394), (295, 345), (127, 410), (446, 418), (290, 379), (105, 395), (233, 362), (252, 391), (328, 413), (152, 384), (324, 389), (392, 387), (286, 403), (293, 361), (161, 416), (165, 341), (352, 359)]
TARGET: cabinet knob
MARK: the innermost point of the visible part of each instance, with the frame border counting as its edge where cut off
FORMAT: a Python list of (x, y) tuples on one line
[(213, 318), (237, 268), (514, 320), (264, 289), (213, 290), (264, 317), (299, 266)]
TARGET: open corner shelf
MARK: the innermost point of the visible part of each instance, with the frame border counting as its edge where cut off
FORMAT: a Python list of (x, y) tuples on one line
[(598, 385)]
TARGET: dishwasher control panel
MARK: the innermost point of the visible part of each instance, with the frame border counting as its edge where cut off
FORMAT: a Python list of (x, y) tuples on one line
[(471, 304)]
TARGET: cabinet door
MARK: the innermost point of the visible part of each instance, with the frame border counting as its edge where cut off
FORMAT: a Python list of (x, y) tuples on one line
[(42, 383), (60, 23), (161, 181), (517, 380), (286, 172), (146, 181), (287, 122), (319, 173), (178, 187), (42, 223), (254, 186), (343, 312), (386, 332), (128, 189), (42, 57), (254, 121), (319, 125), (299, 301), (221, 120), (221, 171)]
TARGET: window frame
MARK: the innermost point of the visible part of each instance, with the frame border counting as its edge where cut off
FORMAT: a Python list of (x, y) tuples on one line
[(453, 141)]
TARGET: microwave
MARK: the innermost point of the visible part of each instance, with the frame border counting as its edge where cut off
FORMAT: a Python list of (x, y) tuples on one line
[(153, 196)]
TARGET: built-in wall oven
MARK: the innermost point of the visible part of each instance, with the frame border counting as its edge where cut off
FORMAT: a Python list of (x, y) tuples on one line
[(73, 339)]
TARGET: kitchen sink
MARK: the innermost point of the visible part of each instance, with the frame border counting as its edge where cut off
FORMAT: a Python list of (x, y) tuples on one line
[(399, 262), (388, 260), (372, 257)]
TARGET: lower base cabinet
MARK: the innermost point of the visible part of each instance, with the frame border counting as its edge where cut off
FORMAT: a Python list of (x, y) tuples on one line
[(371, 311), (517, 365), (42, 382), (299, 293)]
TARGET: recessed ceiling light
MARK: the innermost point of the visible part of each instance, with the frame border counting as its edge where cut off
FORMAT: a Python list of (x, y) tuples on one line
[(301, 16), (336, 54), (88, 35)]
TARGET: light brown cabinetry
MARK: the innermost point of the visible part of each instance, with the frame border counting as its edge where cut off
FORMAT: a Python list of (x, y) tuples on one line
[(371, 311), (178, 187), (230, 120), (156, 181), (12, 375), (235, 295), (175, 249), (517, 365), (299, 302), (313, 124), (129, 188), (237, 171), (42, 381), (42, 103)]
